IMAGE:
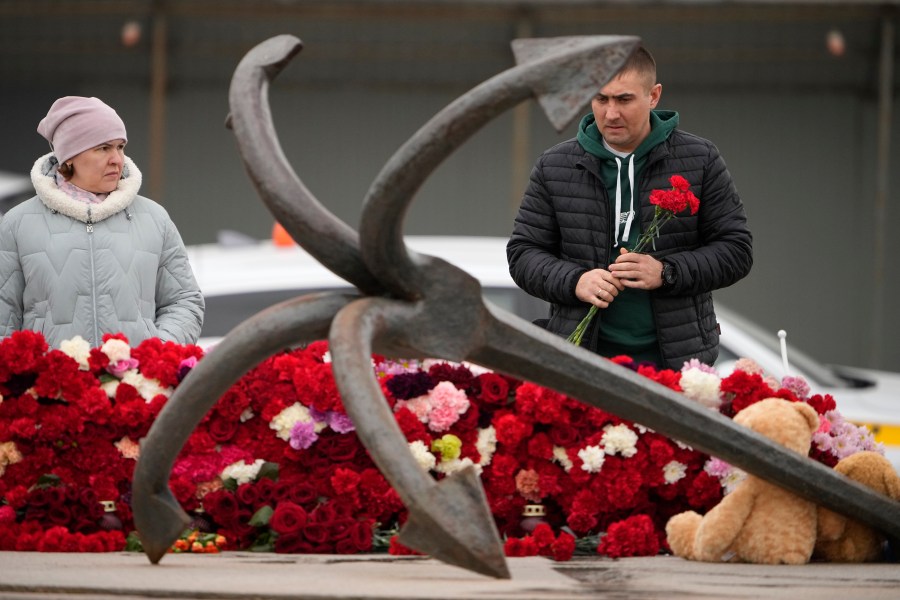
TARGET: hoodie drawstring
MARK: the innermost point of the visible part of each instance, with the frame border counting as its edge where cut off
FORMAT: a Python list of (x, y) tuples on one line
[(630, 217)]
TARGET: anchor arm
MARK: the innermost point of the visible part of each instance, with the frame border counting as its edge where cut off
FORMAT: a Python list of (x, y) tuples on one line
[(157, 515), (510, 347), (547, 74), (450, 520), (331, 241)]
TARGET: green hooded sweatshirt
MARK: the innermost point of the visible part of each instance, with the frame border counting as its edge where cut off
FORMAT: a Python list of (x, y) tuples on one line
[(627, 326)]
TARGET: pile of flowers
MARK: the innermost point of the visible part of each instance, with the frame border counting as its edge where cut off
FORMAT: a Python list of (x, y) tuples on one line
[(276, 464)]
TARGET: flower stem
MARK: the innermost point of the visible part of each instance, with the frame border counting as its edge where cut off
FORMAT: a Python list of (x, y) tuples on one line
[(578, 334)]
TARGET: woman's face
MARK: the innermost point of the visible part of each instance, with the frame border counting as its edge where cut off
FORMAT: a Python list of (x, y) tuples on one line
[(99, 169)]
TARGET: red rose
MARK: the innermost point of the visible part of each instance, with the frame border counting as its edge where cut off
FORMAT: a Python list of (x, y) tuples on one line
[(222, 506), (339, 447), (303, 492), (493, 388), (316, 533), (247, 494), (361, 535), (288, 518), (222, 429), (292, 543)]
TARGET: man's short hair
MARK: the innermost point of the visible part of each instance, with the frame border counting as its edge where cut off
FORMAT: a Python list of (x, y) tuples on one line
[(641, 62)]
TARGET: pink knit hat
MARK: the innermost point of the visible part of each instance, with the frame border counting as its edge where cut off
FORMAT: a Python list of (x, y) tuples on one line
[(75, 124)]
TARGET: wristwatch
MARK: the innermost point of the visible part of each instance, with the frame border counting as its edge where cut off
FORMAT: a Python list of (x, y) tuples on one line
[(669, 277)]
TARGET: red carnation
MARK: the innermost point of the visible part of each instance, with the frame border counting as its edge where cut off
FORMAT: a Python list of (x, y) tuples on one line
[(822, 404), (395, 548), (635, 536), (511, 430), (563, 547), (345, 481)]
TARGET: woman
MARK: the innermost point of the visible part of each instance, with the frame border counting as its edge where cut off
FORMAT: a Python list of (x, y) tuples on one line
[(89, 256)]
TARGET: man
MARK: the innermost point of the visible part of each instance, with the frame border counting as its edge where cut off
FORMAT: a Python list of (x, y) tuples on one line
[(585, 207)]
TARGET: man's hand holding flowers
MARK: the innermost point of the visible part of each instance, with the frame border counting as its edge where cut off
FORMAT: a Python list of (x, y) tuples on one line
[(634, 269)]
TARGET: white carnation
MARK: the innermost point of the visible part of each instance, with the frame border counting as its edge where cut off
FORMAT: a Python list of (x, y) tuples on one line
[(621, 439), (241, 472), (486, 445), (116, 350), (592, 457), (110, 387), (284, 421), (449, 467), (247, 415), (422, 455), (562, 457), (147, 388), (702, 386), (79, 349), (673, 471)]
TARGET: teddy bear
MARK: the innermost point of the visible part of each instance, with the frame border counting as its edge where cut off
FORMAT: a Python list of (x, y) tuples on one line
[(758, 522), (841, 539)]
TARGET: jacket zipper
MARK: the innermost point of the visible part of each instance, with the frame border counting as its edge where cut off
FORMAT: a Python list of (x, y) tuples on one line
[(90, 233)]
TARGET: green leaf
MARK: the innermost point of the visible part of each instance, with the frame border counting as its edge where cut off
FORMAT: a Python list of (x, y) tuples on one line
[(230, 484), (264, 543), (133, 543), (262, 517), (269, 470), (48, 480)]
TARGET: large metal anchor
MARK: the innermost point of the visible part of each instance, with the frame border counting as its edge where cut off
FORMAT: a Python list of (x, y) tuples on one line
[(422, 306)]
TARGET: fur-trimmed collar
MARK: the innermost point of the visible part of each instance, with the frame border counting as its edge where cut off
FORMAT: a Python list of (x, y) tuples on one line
[(43, 176)]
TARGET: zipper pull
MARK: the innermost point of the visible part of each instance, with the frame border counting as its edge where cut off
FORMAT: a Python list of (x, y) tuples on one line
[(90, 228)]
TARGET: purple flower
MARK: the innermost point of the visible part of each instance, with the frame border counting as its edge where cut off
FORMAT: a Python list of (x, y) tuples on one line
[(797, 385), (185, 366), (340, 422), (409, 385), (303, 435), (317, 415)]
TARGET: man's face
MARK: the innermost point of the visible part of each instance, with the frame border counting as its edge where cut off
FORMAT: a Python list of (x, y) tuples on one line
[(622, 110)]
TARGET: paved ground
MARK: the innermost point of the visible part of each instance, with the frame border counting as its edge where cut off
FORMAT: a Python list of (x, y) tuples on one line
[(235, 575)]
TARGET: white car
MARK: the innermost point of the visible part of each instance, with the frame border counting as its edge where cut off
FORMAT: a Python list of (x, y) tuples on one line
[(14, 188), (239, 281)]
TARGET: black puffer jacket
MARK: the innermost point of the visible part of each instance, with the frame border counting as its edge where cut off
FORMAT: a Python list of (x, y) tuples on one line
[(564, 229)]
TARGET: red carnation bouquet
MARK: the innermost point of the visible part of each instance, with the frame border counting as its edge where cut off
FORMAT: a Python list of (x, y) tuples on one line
[(669, 203)]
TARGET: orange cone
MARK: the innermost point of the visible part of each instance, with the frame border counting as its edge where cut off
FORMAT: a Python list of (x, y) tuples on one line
[(281, 237)]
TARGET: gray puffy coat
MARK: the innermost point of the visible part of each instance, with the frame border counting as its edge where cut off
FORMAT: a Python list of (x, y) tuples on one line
[(564, 229), (70, 268)]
